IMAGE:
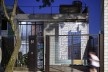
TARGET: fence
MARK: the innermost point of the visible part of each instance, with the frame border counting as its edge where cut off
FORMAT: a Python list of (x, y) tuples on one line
[(69, 53), (45, 10)]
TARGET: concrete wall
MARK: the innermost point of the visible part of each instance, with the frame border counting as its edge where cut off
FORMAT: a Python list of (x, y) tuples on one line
[(49, 29), (105, 35)]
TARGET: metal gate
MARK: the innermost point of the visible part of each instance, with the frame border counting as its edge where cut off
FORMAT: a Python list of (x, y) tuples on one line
[(30, 55), (69, 53)]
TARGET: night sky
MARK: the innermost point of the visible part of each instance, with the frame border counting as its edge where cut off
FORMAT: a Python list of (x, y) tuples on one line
[(93, 5)]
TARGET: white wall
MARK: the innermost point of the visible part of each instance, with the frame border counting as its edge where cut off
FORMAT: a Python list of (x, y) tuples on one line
[(105, 35), (73, 26)]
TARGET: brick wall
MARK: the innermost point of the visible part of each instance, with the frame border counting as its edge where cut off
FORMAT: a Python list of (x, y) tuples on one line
[(105, 35)]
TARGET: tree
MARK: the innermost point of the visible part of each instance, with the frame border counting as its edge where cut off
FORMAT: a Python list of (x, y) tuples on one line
[(10, 18)]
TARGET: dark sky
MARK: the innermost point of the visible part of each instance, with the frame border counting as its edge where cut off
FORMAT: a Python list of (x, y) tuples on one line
[(93, 5)]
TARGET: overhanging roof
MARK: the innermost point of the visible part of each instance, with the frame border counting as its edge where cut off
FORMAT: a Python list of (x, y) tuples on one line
[(52, 17)]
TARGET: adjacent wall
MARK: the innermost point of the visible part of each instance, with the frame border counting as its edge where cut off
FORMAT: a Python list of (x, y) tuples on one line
[(0, 41), (105, 35)]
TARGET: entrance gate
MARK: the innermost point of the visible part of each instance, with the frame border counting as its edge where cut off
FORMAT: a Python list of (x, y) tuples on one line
[(69, 53), (30, 56), (35, 53)]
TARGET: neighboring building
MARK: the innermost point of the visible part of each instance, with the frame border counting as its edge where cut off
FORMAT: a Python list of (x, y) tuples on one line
[(0, 33), (0, 50), (105, 27)]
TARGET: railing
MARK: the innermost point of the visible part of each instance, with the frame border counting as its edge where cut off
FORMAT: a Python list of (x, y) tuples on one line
[(38, 10), (75, 48)]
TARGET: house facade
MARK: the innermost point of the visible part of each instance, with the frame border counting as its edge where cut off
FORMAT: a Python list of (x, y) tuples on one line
[(53, 25)]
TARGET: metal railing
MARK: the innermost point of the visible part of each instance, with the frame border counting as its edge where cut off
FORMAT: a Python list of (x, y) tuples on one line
[(85, 43), (37, 9)]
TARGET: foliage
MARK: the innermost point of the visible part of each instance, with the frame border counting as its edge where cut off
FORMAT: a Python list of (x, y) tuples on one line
[(22, 59), (45, 3)]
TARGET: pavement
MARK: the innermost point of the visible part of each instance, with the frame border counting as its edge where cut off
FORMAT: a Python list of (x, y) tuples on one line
[(75, 68)]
